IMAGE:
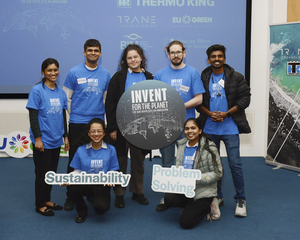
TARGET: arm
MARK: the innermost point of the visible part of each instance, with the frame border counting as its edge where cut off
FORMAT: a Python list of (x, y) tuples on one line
[(69, 94), (35, 128), (212, 176), (111, 103), (195, 101)]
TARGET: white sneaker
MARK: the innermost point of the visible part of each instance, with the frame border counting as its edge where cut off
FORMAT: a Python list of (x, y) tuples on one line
[(214, 209), (241, 209)]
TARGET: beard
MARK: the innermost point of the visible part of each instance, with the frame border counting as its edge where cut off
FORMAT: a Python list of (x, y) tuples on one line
[(217, 67), (177, 63)]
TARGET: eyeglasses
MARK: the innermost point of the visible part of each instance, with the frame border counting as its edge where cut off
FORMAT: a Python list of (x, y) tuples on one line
[(179, 53), (96, 131)]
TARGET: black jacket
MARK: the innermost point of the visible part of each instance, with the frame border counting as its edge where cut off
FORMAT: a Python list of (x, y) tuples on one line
[(116, 88), (237, 93)]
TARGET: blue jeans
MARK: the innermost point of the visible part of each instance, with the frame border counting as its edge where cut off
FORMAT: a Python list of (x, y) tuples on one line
[(168, 153), (232, 145)]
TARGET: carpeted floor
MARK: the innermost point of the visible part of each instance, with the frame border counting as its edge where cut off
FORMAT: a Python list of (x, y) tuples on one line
[(272, 201)]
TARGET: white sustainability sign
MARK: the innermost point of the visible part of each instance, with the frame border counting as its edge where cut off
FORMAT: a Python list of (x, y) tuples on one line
[(175, 180)]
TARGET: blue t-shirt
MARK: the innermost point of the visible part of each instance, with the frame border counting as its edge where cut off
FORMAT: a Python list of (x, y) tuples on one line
[(133, 78), (89, 87), (50, 104), (94, 161), (218, 102), (186, 82), (189, 156)]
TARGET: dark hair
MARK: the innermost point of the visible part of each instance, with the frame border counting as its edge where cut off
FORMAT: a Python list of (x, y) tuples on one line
[(215, 47), (84, 138), (140, 51), (44, 66), (206, 144), (92, 43), (167, 48)]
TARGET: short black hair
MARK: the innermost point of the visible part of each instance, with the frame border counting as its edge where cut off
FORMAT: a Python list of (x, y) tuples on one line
[(92, 43), (215, 47)]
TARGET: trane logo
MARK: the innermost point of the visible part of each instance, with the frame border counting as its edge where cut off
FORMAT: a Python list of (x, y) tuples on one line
[(293, 68)]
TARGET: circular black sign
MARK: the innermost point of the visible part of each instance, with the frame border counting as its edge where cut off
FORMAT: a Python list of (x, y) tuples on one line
[(151, 114)]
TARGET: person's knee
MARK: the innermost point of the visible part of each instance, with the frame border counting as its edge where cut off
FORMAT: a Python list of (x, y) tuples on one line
[(186, 223)]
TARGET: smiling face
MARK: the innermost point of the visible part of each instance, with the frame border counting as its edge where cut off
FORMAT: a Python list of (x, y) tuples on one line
[(176, 54), (216, 59), (134, 60), (96, 133), (51, 73), (192, 132), (92, 54)]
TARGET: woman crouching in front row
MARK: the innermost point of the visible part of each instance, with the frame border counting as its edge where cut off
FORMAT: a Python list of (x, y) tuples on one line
[(93, 156), (205, 157)]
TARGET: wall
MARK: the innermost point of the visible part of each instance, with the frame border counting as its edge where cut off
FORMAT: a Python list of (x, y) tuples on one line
[(14, 116)]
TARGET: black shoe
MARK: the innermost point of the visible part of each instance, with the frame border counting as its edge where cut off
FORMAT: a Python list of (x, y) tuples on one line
[(47, 212), (161, 206), (119, 203), (80, 218), (140, 198), (55, 207), (69, 204)]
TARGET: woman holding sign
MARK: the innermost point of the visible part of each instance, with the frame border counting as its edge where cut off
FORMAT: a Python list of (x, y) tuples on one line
[(92, 156), (132, 70), (47, 104), (196, 151)]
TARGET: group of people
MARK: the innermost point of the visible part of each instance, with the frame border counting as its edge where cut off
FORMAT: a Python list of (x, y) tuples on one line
[(90, 94)]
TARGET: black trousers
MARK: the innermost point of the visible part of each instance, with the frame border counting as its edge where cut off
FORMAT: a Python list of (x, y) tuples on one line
[(99, 195), (193, 211), (44, 162), (75, 131)]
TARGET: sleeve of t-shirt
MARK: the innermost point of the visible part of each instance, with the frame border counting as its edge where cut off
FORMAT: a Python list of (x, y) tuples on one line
[(157, 76), (108, 77), (197, 84), (34, 99), (65, 106), (70, 81), (114, 164), (76, 161)]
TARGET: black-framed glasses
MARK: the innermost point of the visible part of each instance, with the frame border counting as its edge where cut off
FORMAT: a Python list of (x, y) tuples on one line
[(178, 53)]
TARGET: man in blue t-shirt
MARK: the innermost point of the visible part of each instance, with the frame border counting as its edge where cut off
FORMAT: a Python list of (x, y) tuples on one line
[(186, 81), (85, 86), (223, 116)]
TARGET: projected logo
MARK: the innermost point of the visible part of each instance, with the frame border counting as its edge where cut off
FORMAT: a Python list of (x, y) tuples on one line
[(187, 20), (137, 21), (293, 68), (124, 3), (134, 38)]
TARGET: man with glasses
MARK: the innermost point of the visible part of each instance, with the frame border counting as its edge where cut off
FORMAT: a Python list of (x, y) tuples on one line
[(186, 81), (85, 86)]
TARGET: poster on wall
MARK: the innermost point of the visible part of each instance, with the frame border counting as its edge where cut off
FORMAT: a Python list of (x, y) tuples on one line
[(284, 96)]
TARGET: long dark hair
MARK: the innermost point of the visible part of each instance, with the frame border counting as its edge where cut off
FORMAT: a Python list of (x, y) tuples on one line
[(44, 66), (206, 145), (84, 138), (140, 51)]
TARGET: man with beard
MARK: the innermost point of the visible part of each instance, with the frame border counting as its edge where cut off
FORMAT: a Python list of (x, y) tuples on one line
[(85, 86), (223, 116), (186, 81)]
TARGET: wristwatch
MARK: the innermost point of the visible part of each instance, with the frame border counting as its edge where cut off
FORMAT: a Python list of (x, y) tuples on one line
[(228, 114)]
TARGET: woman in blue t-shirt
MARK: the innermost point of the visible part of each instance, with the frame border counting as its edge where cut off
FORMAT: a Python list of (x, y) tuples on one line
[(196, 151), (93, 155), (47, 104)]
